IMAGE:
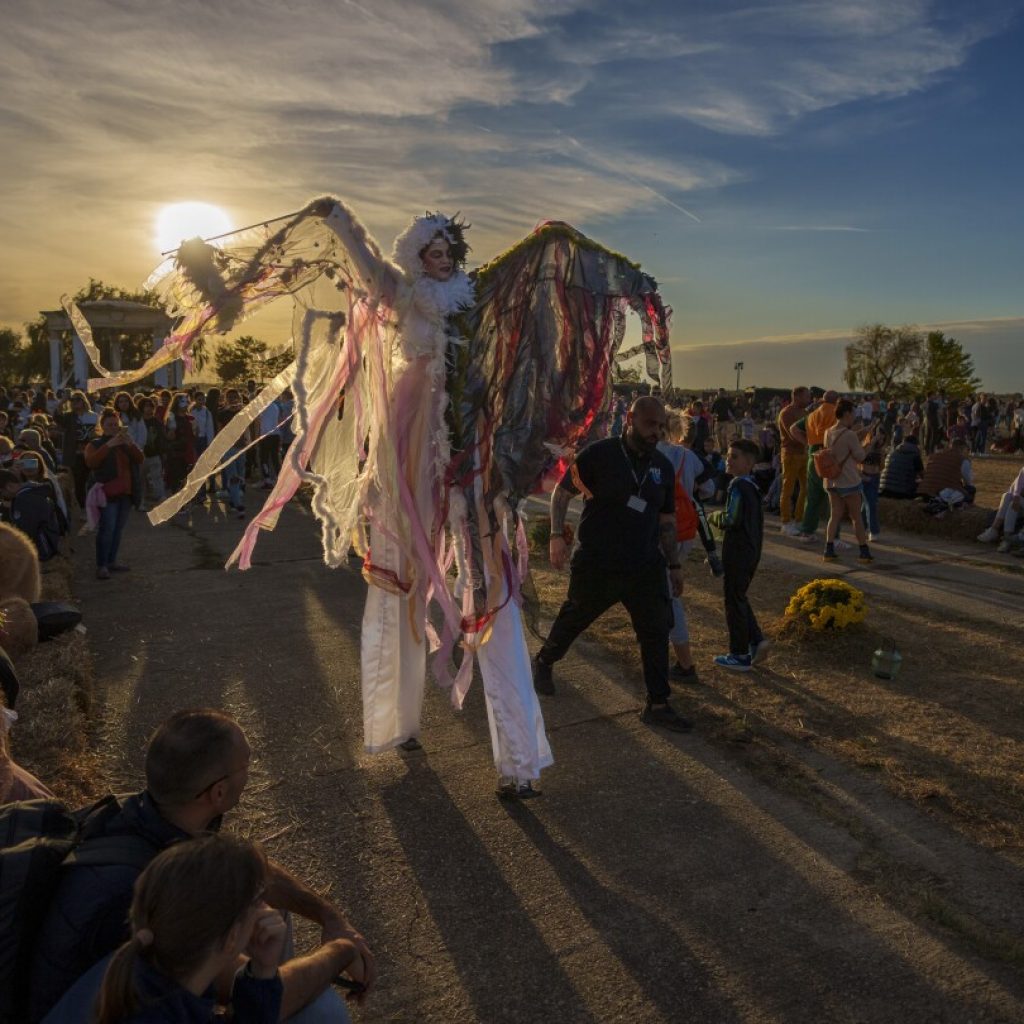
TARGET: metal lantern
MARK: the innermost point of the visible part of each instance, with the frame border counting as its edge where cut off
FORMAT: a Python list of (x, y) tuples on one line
[(886, 660)]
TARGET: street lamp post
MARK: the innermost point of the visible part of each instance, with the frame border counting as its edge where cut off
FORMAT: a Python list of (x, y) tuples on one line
[(739, 369)]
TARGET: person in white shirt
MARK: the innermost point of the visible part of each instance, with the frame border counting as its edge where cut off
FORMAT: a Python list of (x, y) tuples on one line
[(1008, 518), (203, 422)]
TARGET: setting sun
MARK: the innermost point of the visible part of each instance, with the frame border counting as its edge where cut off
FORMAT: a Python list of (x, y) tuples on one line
[(179, 221)]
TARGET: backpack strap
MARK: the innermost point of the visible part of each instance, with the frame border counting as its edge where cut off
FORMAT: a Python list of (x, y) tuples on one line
[(127, 850)]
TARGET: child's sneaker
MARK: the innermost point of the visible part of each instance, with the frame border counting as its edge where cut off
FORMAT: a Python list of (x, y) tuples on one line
[(830, 553), (865, 557), (734, 662)]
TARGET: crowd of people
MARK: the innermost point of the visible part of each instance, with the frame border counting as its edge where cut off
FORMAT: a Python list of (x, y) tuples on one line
[(920, 449), (110, 453), (159, 917)]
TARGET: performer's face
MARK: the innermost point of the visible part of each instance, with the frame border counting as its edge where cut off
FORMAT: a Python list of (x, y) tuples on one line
[(437, 260)]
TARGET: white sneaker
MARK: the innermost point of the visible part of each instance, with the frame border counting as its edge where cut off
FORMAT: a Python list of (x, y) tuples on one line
[(841, 545), (790, 529), (989, 536), (1004, 546), (872, 538), (804, 538)]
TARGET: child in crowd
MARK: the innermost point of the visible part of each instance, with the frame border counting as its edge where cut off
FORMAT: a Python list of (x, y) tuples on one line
[(747, 426), (714, 461), (742, 521)]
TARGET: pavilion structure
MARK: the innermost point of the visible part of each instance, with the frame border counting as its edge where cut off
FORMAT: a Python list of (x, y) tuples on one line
[(112, 320)]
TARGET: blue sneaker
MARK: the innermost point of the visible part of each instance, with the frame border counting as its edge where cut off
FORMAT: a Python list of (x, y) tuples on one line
[(734, 662)]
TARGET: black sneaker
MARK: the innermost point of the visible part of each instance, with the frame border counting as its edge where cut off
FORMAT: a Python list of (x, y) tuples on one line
[(510, 789), (543, 683), (678, 674), (665, 716)]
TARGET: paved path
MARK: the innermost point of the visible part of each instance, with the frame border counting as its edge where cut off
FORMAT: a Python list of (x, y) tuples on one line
[(656, 880)]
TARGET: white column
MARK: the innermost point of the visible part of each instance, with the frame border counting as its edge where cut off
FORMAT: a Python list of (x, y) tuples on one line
[(55, 367), (160, 376)]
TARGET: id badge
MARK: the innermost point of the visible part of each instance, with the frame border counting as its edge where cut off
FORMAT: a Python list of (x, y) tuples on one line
[(636, 503)]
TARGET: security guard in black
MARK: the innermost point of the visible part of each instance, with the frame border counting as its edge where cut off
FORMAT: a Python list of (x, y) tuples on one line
[(624, 494), (628, 490)]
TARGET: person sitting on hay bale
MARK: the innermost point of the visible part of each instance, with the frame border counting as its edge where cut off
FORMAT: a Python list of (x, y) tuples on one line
[(1008, 519), (948, 480), (902, 470)]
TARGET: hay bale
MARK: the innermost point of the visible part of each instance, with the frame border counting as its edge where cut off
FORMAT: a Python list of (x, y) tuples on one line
[(19, 631), (19, 565), (963, 524)]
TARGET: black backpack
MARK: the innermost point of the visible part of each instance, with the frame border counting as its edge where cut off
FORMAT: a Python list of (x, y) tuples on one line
[(36, 838), (34, 511)]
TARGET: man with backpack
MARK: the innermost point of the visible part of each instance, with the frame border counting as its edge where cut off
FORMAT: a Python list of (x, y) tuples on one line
[(197, 766)]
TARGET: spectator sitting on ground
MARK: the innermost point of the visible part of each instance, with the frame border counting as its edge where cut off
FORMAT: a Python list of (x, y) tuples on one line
[(197, 765), (1008, 517), (948, 475), (197, 914), (902, 470), (197, 909)]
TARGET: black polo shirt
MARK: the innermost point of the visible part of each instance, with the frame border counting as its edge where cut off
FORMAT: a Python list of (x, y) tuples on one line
[(615, 533)]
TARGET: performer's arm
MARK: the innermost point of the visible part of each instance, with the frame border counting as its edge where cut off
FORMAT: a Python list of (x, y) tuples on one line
[(377, 275)]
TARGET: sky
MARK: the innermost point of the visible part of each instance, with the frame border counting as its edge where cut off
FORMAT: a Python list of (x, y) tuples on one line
[(786, 171)]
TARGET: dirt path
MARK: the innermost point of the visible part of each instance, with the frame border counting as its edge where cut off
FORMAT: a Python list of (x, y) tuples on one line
[(657, 880)]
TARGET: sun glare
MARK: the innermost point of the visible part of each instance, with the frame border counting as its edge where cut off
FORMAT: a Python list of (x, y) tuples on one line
[(179, 221)]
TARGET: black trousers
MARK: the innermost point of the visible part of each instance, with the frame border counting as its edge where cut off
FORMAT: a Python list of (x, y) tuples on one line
[(744, 631), (644, 593)]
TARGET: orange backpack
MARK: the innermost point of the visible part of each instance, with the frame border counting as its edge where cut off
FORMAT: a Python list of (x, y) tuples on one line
[(686, 514)]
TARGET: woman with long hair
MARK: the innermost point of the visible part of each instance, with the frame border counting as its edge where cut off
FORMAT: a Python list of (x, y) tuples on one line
[(845, 491), (197, 909), (111, 456)]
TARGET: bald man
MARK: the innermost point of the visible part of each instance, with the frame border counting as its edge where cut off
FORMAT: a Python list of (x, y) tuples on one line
[(627, 539)]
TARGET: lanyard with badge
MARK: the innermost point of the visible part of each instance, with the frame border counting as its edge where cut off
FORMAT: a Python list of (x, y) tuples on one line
[(636, 503)]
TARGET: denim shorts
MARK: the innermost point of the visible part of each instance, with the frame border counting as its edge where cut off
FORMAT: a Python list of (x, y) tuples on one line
[(844, 492)]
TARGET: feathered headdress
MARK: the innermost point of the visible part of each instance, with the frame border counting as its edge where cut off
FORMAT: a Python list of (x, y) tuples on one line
[(421, 232)]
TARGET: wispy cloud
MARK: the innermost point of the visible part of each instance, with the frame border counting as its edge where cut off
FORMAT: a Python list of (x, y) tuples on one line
[(815, 227)]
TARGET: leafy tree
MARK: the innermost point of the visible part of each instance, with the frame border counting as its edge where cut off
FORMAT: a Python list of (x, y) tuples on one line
[(249, 358), (882, 359), (11, 353), (945, 367)]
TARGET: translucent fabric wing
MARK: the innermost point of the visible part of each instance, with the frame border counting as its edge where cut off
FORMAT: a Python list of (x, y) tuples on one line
[(534, 385)]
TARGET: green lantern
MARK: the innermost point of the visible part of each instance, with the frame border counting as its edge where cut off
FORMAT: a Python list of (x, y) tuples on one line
[(886, 660)]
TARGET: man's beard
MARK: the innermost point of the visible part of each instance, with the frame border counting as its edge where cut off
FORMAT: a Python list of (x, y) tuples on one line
[(641, 444)]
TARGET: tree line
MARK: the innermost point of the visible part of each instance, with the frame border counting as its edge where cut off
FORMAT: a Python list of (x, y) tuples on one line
[(25, 356)]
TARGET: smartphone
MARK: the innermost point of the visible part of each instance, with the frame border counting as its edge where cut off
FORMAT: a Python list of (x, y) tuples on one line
[(28, 465), (347, 983)]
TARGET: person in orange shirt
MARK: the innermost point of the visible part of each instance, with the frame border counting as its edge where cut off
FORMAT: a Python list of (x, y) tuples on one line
[(811, 431)]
